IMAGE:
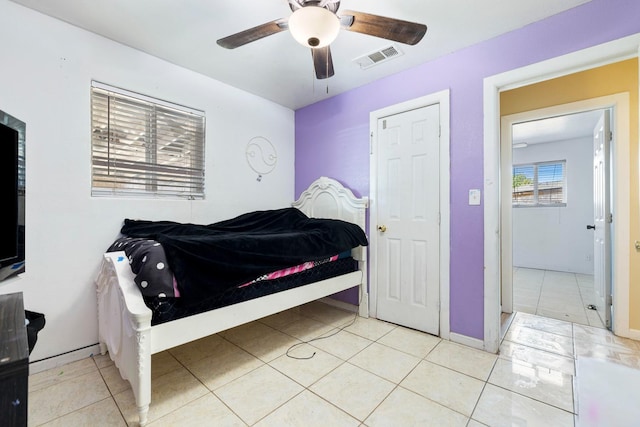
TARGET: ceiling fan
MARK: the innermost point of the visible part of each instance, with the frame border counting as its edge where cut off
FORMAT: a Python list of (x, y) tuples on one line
[(316, 24)]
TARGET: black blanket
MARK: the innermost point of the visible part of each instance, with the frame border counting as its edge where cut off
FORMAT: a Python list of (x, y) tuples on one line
[(208, 259)]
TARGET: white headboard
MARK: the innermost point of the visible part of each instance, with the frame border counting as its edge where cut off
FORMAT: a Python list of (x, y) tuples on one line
[(327, 198)]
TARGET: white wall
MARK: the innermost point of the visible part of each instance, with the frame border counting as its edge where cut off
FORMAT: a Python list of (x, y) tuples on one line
[(46, 68), (556, 238)]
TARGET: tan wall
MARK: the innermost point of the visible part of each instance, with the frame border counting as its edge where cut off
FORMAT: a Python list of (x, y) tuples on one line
[(606, 80)]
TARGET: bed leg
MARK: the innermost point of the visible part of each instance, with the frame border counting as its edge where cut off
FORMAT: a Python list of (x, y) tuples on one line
[(143, 411), (103, 348), (142, 383)]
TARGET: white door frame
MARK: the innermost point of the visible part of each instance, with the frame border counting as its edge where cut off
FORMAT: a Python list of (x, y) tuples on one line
[(607, 53), (619, 105), (441, 98)]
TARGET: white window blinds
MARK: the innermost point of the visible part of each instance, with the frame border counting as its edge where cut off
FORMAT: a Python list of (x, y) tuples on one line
[(539, 184), (145, 147)]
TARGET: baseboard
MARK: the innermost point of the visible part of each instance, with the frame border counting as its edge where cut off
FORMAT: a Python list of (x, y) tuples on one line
[(634, 334), (339, 304), (465, 340), (63, 359)]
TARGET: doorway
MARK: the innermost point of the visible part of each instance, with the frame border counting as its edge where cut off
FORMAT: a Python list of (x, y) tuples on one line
[(429, 267), (587, 63), (552, 212)]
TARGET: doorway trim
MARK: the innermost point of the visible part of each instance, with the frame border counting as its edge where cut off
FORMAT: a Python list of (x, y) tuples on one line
[(619, 104), (441, 98), (607, 53)]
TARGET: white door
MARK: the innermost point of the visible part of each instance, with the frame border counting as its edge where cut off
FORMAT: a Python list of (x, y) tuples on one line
[(602, 218), (408, 219)]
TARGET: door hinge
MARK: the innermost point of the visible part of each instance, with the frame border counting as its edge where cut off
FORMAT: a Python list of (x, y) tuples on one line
[(609, 218), (384, 124), (610, 136), (371, 143)]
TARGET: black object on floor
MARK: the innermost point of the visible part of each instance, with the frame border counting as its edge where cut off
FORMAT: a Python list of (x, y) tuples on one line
[(35, 325)]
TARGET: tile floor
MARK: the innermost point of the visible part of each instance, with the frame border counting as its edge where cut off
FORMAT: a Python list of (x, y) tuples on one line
[(371, 373), (555, 294)]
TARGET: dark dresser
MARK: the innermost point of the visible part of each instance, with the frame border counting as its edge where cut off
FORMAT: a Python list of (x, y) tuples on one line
[(14, 361)]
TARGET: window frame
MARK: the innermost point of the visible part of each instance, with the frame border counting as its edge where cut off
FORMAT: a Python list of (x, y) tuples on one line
[(536, 184), (166, 159)]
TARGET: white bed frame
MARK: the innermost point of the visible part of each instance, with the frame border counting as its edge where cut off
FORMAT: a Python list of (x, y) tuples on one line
[(124, 321)]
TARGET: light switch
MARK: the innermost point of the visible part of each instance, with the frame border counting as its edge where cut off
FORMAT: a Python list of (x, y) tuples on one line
[(474, 197)]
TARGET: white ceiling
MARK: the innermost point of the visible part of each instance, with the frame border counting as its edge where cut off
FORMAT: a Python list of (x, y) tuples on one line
[(556, 128), (184, 32)]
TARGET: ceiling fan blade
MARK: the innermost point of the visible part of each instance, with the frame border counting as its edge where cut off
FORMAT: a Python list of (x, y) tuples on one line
[(387, 28), (252, 34), (322, 62)]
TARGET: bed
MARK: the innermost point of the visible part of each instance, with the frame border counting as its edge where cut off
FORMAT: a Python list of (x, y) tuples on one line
[(133, 326)]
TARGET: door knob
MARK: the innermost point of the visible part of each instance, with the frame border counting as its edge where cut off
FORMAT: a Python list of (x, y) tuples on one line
[(591, 227), (382, 228)]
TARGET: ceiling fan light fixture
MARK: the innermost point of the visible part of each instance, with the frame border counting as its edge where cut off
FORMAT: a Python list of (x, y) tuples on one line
[(314, 26)]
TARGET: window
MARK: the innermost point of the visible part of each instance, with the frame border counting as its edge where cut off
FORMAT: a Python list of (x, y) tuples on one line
[(539, 184), (141, 146)]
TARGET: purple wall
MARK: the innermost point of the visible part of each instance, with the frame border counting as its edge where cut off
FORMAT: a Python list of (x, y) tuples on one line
[(332, 136)]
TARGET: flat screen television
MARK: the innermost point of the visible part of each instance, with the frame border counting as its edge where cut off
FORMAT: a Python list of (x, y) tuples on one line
[(12, 196)]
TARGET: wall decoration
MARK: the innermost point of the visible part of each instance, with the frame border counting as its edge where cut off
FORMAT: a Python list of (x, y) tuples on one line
[(261, 156)]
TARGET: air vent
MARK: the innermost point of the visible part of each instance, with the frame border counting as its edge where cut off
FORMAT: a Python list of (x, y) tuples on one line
[(378, 57)]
